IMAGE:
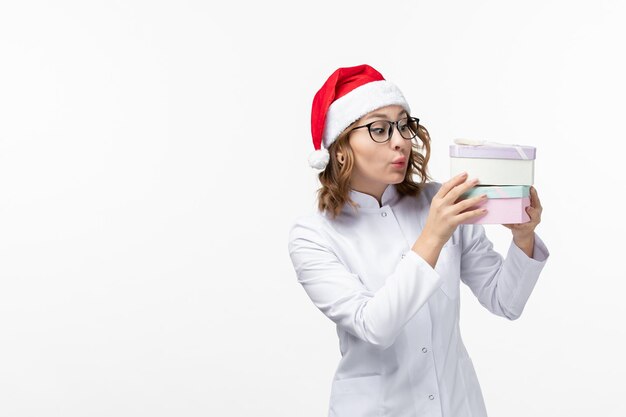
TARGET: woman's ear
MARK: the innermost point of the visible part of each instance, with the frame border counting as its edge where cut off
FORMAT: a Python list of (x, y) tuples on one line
[(340, 157)]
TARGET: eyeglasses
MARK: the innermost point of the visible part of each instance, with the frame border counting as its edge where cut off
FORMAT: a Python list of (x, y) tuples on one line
[(381, 130)]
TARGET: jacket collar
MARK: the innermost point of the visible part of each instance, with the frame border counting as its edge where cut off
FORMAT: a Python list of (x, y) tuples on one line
[(366, 201)]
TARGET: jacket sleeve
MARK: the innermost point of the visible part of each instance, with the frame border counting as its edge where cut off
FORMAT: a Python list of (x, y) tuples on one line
[(503, 286), (375, 317)]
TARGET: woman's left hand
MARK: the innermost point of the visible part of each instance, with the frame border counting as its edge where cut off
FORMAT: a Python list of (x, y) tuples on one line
[(526, 231)]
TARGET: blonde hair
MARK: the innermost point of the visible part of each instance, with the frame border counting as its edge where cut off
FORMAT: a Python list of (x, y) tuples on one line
[(335, 178)]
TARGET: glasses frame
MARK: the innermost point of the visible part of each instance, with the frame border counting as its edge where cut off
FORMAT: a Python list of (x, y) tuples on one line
[(390, 131)]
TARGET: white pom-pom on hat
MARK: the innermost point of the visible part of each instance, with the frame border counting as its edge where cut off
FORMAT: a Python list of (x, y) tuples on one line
[(319, 158)]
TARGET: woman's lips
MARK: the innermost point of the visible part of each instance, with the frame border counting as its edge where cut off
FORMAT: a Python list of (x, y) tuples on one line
[(399, 163)]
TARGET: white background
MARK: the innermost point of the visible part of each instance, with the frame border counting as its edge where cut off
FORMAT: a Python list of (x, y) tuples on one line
[(153, 156)]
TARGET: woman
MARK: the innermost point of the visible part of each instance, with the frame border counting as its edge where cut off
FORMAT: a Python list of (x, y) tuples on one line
[(384, 256)]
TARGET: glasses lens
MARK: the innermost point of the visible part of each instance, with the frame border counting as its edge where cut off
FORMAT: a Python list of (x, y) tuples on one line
[(379, 131), (408, 127)]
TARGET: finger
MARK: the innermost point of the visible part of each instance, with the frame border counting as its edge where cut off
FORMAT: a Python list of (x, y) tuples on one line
[(534, 214), (469, 203), (534, 197), (455, 193), (468, 215), (451, 183)]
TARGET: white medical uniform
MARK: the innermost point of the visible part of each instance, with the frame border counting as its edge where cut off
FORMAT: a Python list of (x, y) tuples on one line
[(397, 318)]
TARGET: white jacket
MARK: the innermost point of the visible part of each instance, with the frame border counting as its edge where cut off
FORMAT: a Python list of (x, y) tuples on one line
[(398, 319)]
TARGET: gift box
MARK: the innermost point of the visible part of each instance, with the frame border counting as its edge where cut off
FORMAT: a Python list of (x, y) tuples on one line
[(493, 163), (505, 204)]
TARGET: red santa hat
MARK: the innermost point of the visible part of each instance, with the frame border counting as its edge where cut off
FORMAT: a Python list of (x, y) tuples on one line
[(347, 95)]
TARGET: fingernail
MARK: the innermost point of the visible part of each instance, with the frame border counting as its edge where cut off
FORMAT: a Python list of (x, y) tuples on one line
[(463, 174)]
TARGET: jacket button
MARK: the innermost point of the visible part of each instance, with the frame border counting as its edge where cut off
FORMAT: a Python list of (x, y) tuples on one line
[(384, 214), (424, 350), (431, 397), (403, 255)]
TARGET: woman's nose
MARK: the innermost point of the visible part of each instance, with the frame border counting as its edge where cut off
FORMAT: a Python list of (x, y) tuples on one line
[(396, 139)]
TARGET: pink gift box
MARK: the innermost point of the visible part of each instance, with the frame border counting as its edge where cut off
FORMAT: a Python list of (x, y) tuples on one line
[(505, 204)]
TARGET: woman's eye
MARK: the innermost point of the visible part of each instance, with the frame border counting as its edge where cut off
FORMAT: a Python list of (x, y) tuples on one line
[(378, 130)]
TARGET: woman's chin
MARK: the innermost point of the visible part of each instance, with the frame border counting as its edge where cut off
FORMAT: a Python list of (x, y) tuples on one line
[(396, 178)]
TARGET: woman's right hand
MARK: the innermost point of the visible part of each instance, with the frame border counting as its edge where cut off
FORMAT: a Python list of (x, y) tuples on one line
[(445, 214)]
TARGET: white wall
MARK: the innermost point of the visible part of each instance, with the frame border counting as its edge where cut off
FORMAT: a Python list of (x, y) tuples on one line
[(153, 156)]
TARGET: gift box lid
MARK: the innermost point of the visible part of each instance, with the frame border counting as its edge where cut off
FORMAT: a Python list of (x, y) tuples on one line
[(467, 148), (498, 191)]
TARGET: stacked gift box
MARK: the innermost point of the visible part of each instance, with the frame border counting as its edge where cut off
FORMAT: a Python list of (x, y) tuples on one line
[(505, 173)]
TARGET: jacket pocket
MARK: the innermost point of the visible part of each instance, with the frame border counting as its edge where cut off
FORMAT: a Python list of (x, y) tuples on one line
[(356, 397), (449, 269)]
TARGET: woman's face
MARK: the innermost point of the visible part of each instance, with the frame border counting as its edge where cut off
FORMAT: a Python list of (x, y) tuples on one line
[(377, 165)]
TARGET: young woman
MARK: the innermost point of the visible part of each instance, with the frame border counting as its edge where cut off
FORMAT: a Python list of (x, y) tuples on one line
[(384, 255)]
